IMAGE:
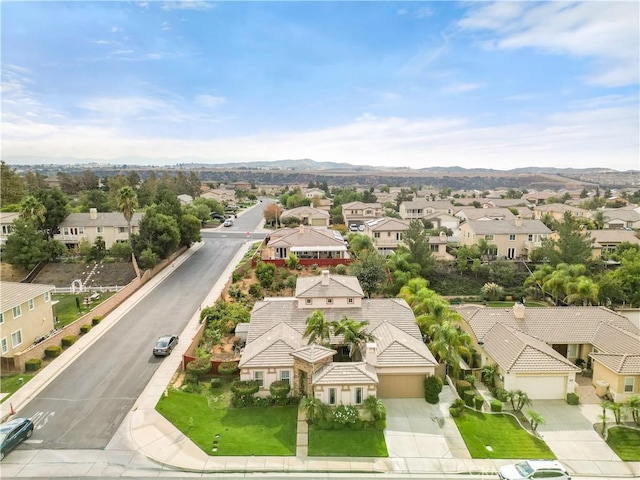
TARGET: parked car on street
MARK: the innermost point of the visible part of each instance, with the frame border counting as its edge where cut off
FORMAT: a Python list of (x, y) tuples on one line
[(165, 345), (534, 469), (12, 433), (228, 222)]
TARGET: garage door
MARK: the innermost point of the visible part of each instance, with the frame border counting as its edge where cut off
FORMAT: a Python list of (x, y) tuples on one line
[(400, 386), (543, 388)]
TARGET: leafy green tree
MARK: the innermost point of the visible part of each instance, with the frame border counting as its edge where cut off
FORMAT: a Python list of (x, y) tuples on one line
[(189, 230), (265, 273), (371, 271), (11, 185), (121, 251), (449, 343), (573, 245), (632, 404), (55, 249), (535, 419), (376, 408), (158, 232), (355, 336), (56, 206), (148, 258), (33, 211), (416, 238), (622, 285), (199, 210), (97, 199), (34, 181), (127, 202), (401, 269), (318, 329), (25, 246), (518, 399), (359, 244)]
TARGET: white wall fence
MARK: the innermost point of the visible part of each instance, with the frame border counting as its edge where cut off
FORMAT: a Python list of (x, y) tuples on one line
[(113, 288)]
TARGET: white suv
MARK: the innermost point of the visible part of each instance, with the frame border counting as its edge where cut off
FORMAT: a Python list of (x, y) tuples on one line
[(534, 469)]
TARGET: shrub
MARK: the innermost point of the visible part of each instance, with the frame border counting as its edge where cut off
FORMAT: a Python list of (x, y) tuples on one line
[(478, 402), (345, 415), (52, 351), (468, 397), (292, 261), (236, 277), (32, 364), (501, 394), (462, 386), (255, 291), (199, 366), (96, 320), (471, 378), (573, 398), (148, 259), (341, 269), (432, 389), (227, 368), (69, 340), (380, 424), (245, 387), (265, 273), (279, 389), (121, 250), (457, 408), (216, 382), (496, 406), (85, 328)]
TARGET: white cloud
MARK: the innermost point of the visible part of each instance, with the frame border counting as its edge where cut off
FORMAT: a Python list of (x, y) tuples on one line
[(606, 32), (210, 101), (119, 107), (188, 5), (463, 87), (116, 29)]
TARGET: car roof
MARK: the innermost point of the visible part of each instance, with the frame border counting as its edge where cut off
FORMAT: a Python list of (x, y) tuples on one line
[(166, 337), (538, 464), (14, 422)]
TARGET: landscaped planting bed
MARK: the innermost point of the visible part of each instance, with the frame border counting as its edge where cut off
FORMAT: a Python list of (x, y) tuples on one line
[(625, 442)]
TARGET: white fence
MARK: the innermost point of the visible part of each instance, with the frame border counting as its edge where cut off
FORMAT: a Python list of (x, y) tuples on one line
[(113, 288)]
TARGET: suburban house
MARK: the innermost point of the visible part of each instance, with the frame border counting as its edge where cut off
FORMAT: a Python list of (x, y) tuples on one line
[(323, 203), (386, 233), (309, 244), (6, 225), (536, 349), (111, 226), (557, 211), (443, 220), (438, 247), (308, 216), (220, 195), (606, 241), (503, 202), (313, 192), (509, 238), (621, 218), (394, 365), (488, 213), (26, 313), (417, 209), (358, 212), (185, 199), (386, 197)]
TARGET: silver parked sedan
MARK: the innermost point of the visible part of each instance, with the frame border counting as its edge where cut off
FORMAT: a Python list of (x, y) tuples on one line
[(165, 345)]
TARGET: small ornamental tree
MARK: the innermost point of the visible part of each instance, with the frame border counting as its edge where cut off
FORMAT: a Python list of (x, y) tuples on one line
[(243, 392), (314, 409), (199, 367), (228, 368), (279, 390), (535, 419), (432, 389)]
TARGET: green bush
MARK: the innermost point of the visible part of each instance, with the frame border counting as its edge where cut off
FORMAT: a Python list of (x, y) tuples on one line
[(227, 368), (69, 340), (573, 398), (471, 378), (245, 387), (462, 386), (501, 394), (52, 351), (496, 406), (380, 424), (199, 366), (345, 415), (279, 389), (32, 364), (468, 397), (216, 382), (255, 291), (341, 269), (96, 320), (432, 389), (457, 408), (85, 328), (478, 402)]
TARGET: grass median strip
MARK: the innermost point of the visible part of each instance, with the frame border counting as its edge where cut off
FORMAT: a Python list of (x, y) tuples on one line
[(347, 443)]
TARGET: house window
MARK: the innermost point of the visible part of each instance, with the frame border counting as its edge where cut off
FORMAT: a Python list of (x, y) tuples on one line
[(399, 236), (358, 396), (368, 212), (285, 376), (100, 229), (329, 301), (488, 237), (512, 237), (17, 311), (628, 384), (332, 396), (259, 377), (376, 235), (511, 253), (349, 300), (16, 338), (5, 347), (572, 350), (31, 304), (46, 296), (308, 301), (1, 318), (122, 229)]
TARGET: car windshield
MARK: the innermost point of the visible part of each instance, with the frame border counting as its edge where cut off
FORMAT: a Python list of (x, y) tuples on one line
[(162, 343), (524, 468), (3, 436)]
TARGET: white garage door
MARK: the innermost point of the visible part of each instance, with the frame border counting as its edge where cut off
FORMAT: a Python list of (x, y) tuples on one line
[(543, 388)]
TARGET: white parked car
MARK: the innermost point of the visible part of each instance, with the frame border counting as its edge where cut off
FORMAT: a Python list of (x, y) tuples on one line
[(534, 469)]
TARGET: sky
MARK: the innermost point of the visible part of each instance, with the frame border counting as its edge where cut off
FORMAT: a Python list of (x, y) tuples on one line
[(497, 85)]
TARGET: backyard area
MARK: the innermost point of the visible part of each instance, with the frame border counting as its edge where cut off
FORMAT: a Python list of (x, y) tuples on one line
[(67, 311), (625, 442), (347, 443), (499, 436)]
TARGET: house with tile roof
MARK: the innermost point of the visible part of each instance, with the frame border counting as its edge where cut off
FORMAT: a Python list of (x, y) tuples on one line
[(536, 349), (621, 218), (557, 211), (309, 244), (419, 208), (308, 216), (606, 241), (386, 233), (394, 365), (359, 212), (469, 213), (111, 226)]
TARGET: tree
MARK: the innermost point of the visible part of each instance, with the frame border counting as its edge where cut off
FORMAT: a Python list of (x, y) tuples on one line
[(535, 419), (622, 285), (492, 291), (56, 206), (354, 335), (32, 210), (376, 408), (518, 399), (359, 244), (632, 404), (97, 199), (314, 409), (599, 219), (402, 269), (416, 238), (189, 230), (265, 273), (25, 246), (489, 374), (271, 214), (34, 181), (318, 329), (158, 232), (127, 202), (573, 245), (370, 270), (114, 185), (450, 343), (432, 389), (11, 186)]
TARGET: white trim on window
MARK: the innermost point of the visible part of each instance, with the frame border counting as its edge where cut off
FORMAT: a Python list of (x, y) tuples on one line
[(31, 304), (629, 384), (3, 345), (285, 376), (258, 376), (47, 296), (17, 311), (332, 396), (308, 301), (329, 301), (349, 300), (359, 394), (16, 338), (1, 318)]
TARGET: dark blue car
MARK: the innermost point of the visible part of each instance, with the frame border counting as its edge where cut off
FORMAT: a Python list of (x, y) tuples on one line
[(13, 432)]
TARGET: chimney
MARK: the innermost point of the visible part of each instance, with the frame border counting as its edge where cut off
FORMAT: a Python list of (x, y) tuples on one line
[(325, 278), (371, 355), (518, 221), (302, 229), (443, 237), (93, 213), (518, 311)]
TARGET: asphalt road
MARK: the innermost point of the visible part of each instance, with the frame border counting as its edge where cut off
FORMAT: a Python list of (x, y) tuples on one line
[(84, 405)]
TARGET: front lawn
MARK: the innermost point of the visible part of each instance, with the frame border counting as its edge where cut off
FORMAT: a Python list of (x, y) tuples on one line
[(347, 443), (499, 436), (235, 431), (11, 383), (66, 309), (625, 442)]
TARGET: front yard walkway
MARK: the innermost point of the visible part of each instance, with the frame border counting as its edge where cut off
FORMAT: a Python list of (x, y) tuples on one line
[(586, 391), (302, 435)]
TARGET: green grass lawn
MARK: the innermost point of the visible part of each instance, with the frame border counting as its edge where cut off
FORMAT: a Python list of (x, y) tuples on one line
[(242, 431), (66, 310), (625, 442), (347, 443), (503, 434), (11, 383)]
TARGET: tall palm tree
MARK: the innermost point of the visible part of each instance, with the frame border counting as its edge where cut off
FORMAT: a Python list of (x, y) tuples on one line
[(127, 203), (450, 343), (583, 290), (318, 329), (354, 334), (599, 219), (33, 210)]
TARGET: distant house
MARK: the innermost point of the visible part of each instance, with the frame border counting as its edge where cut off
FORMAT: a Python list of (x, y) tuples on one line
[(6, 226), (393, 366), (26, 313), (467, 213), (438, 247), (510, 239), (323, 203), (313, 192), (557, 211), (185, 199), (417, 209), (621, 218), (443, 220), (111, 226), (386, 233), (359, 212), (503, 202), (220, 195), (310, 244), (308, 216), (239, 185), (606, 241)]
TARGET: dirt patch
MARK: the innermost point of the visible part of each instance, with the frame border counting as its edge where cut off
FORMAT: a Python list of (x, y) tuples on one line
[(9, 273), (91, 274), (226, 352)]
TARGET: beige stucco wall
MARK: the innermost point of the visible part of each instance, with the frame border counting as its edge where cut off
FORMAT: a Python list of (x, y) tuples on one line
[(615, 381), (35, 323), (345, 394), (270, 375), (110, 235), (321, 302)]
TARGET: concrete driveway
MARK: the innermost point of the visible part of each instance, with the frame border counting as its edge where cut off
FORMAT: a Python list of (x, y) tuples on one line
[(417, 429), (569, 433)]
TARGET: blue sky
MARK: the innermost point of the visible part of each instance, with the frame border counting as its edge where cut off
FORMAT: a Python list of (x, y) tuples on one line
[(472, 84)]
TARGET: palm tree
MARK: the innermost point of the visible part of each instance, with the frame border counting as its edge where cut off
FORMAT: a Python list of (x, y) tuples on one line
[(318, 330), (127, 203), (535, 419), (314, 408), (583, 290), (450, 343), (354, 334), (633, 405), (375, 407), (489, 374), (33, 210), (599, 219)]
